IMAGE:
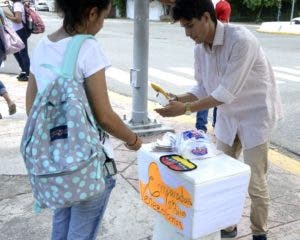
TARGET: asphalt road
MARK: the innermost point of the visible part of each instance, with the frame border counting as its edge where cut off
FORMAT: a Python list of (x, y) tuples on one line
[(171, 65)]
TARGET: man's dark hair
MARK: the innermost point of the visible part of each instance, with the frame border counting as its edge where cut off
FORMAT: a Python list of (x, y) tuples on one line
[(189, 9), (74, 12)]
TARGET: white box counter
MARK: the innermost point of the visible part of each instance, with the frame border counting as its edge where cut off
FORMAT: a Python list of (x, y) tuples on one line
[(199, 202)]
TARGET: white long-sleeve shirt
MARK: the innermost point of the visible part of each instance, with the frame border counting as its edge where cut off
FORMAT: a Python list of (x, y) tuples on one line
[(235, 71)]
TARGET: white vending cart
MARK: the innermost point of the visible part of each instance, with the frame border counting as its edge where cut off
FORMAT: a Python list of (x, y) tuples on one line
[(195, 204)]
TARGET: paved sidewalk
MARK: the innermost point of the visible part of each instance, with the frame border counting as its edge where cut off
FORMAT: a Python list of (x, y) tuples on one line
[(127, 218)]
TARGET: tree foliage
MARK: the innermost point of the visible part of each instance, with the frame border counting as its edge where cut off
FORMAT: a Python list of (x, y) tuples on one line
[(258, 5), (255, 4), (121, 5)]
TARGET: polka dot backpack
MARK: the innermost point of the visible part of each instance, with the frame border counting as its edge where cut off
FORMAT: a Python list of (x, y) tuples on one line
[(60, 144)]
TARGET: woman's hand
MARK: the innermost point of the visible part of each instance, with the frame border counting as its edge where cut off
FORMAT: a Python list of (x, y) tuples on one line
[(16, 18), (173, 109), (136, 145), (172, 97), (7, 14)]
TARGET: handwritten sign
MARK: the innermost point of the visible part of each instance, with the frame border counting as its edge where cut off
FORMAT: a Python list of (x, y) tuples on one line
[(165, 199)]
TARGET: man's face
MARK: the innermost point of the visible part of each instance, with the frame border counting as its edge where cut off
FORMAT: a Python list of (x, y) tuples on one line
[(197, 29)]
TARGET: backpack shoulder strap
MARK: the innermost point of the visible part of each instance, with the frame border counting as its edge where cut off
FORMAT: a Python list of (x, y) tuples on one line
[(71, 54), (67, 69)]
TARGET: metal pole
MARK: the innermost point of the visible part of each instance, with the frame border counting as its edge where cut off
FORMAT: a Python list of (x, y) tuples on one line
[(279, 10), (140, 122), (292, 13), (139, 73)]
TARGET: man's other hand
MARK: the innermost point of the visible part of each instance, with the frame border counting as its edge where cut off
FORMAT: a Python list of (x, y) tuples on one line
[(172, 97), (173, 109)]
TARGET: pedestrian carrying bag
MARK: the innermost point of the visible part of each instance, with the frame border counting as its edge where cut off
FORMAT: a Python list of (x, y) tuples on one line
[(60, 144), (34, 23)]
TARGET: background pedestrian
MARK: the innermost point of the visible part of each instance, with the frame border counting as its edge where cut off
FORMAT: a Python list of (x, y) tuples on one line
[(223, 11), (18, 24), (3, 92)]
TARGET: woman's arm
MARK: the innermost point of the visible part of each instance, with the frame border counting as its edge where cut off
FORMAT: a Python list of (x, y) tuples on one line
[(96, 90), (2, 16), (30, 92), (16, 18)]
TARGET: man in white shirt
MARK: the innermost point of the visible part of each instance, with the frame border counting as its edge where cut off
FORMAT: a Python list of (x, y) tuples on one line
[(234, 74)]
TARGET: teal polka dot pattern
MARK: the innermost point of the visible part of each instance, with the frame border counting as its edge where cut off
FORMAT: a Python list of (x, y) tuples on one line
[(83, 196), (45, 163), (73, 112), (47, 195), (70, 159), (70, 124), (73, 168), (61, 120), (52, 169), (79, 154), (84, 171), (59, 180), (54, 189), (82, 184), (69, 90), (44, 180), (81, 135), (76, 179), (34, 151), (44, 136), (68, 195), (56, 152), (93, 175), (61, 145), (54, 92)]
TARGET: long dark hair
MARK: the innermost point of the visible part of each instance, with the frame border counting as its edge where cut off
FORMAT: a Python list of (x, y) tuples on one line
[(74, 12), (189, 9)]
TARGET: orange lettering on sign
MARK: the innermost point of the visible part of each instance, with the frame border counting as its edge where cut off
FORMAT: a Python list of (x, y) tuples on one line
[(164, 199)]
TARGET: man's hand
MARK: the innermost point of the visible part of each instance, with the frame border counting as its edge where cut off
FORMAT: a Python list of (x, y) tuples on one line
[(173, 109)]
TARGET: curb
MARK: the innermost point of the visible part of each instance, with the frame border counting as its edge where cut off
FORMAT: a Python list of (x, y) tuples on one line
[(281, 33), (284, 162), (285, 28)]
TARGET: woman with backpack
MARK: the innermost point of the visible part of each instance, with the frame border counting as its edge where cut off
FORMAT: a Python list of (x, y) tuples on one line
[(18, 19), (79, 221)]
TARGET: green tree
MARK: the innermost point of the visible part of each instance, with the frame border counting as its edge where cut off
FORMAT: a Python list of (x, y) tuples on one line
[(263, 10), (258, 5), (121, 5), (254, 4)]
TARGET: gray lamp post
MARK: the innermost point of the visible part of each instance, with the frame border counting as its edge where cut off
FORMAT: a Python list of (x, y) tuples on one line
[(140, 122), (292, 12), (279, 10)]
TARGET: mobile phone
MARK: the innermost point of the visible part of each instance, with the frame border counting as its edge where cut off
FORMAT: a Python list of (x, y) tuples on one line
[(110, 167)]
